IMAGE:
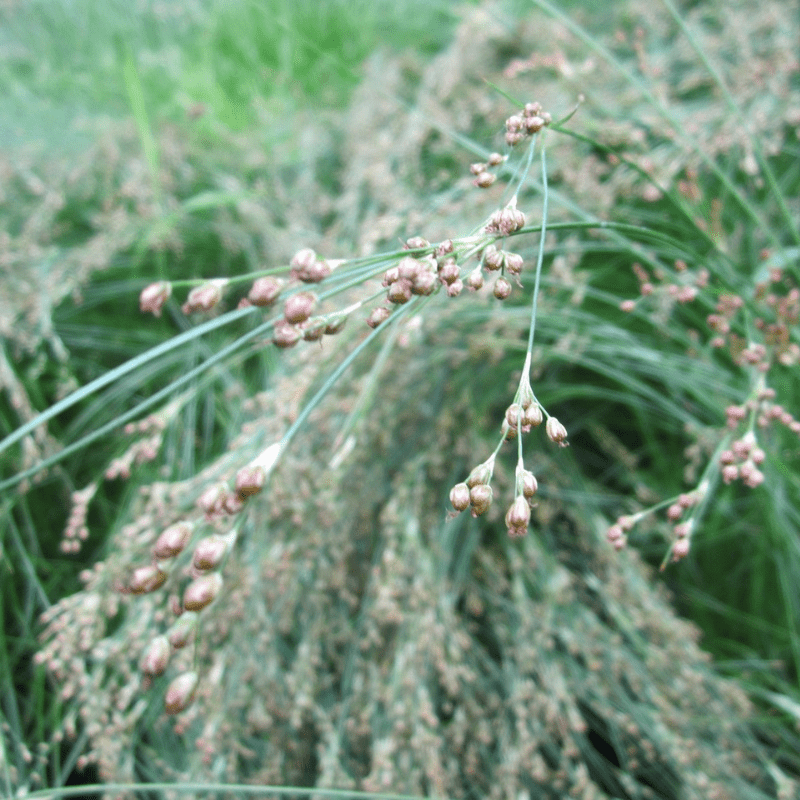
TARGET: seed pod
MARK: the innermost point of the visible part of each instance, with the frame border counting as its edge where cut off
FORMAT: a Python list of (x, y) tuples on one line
[(484, 180), (449, 271), (156, 657), (408, 268), (390, 276), (480, 474), (173, 540), (202, 591), (532, 415), (495, 159), (455, 288), (180, 693), (209, 552), (459, 497), (556, 432), (501, 288), (183, 629), (154, 296), (513, 415), (529, 484), (425, 283), (493, 258), (475, 279), (417, 243), (146, 579), (205, 297), (265, 291), (514, 263)]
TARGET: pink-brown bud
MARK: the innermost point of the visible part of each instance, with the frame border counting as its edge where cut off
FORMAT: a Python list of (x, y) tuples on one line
[(495, 159), (519, 514), (313, 329), (475, 279), (480, 498), (680, 549), (399, 292), (455, 288), (154, 296), (250, 480), (146, 579), (298, 307), (484, 180), (480, 474), (513, 415), (209, 552), (285, 335), (173, 540), (390, 276), (378, 316), (556, 432), (501, 289), (514, 263), (417, 243), (205, 297), (424, 283), (335, 325), (459, 497), (532, 416), (529, 484), (180, 693), (265, 291), (449, 271), (156, 657), (445, 248), (303, 259), (493, 258), (202, 591), (212, 500), (182, 631)]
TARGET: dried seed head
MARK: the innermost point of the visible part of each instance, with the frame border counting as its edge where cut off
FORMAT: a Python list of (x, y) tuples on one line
[(182, 631), (265, 291), (146, 579), (519, 514), (480, 497), (417, 243), (173, 540), (180, 693), (154, 296), (202, 591), (532, 416), (459, 497), (399, 292), (250, 481), (156, 657), (534, 124), (532, 109), (285, 335), (514, 138), (556, 432), (484, 180), (378, 316), (209, 552), (514, 123), (501, 288), (475, 279), (298, 307), (205, 297)]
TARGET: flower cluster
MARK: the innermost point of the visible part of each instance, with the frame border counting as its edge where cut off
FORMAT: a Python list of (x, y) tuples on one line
[(682, 288)]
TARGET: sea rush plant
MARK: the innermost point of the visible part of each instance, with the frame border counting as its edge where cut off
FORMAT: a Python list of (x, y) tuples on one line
[(188, 558)]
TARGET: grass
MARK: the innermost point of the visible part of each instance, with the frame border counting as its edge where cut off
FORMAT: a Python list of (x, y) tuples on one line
[(364, 641)]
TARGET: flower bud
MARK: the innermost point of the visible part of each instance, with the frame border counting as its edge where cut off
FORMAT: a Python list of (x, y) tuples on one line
[(202, 591), (285, 335), (519, 514), (484, 180), (477, 168), (514, 263), (556, 432), (390, 276), (408, 267), (303, 259), (455, 288), (495, 159), (680, 549), (205, 297), (449, 271), (481, 474), (156, 657), (154, 296), (265, 291), (459, 497), (313, 329), (513, 415), (399, 292), (182, 631), (475, 279), (534, 124), (212, 500), (480, 498), (529, 484), (209, 552), (250, 480), (180, 693), (501, 288), (335, 325), (445, 248), (378, 316), (173, 540), (146, 579), (425, 283), (417, 243), (493, 258), (298, 307), (532, 416)]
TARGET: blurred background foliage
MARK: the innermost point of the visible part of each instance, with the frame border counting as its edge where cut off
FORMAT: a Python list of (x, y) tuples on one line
[(186, 140)]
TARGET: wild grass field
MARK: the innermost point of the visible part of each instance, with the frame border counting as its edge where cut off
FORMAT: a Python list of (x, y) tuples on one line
[(399, 400)]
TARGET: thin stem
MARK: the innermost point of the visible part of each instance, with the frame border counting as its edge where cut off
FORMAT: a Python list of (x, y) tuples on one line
[(539, 258)]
